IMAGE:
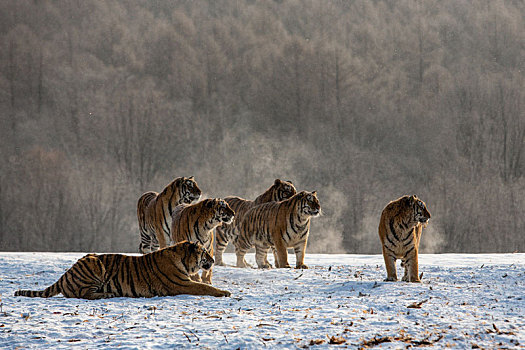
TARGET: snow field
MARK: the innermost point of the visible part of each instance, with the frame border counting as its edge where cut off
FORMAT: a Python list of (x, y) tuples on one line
[(465, 301)]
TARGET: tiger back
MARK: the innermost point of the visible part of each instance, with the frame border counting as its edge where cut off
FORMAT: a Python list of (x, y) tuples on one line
[(162, 273), (154, 211), (196, 222), (400, 228), (277, 225), (280, 190)]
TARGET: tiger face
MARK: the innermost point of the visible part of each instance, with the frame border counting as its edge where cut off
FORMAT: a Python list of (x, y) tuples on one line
[(189, 190), (310, 205), (223, 212), (198, 258), (284, 189), (420, 211)]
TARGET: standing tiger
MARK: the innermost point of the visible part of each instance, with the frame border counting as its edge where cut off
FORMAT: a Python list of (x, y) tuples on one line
[(279, 191), (164, 272), (400, 229), (196, 222), (278, 225), (154, 211)]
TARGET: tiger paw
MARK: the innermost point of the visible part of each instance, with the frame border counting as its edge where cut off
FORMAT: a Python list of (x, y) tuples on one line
[(413, 280), (224, 293), (287, 266), (265, 266), (196, 278), (302, 266), (390, 279)]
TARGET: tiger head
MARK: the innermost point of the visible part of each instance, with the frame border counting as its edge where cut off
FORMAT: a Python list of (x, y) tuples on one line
[(221, 211), (194, 256), (309, 204), (283, 190), (189, 190), (419, 211)]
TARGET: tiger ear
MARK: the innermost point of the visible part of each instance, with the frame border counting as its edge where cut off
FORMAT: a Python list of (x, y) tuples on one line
[(277, 181), (290, 181), (314, 193), (210, 203), (191, 177)]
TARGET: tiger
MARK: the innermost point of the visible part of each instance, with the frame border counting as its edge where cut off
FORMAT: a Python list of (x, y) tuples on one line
[(278, 225), (279, 191), (400, 229), (165, 272), (196, 222), (154, 211)]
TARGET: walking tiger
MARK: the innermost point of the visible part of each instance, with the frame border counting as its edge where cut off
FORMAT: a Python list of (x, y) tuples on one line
[(400, 229), (225, 233), (278, 225)]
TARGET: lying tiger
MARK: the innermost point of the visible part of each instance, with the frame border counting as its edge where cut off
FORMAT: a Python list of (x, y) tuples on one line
[(225, 233), (400, 229), (196, 223), (277, 225), (165, 272)]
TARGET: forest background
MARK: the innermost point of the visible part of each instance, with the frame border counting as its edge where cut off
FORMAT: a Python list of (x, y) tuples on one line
[(363, 101)]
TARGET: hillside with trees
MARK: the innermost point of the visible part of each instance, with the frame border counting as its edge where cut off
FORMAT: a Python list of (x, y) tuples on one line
[(363, 101)]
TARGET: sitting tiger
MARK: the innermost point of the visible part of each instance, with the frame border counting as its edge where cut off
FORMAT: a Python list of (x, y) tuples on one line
[(400, 229), (154, 211), (196, 222), (279, 191), (278, 225), (164, 272)]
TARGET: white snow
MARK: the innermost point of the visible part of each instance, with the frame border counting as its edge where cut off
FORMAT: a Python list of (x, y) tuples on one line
[(465, 300)]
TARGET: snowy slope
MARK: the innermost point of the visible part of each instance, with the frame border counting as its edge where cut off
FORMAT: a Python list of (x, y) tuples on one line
[(464, 301)]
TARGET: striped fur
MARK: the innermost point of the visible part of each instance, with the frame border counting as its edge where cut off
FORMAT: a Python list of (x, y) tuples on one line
[(400, 229), (279, 225), (280, 190), (154, 211), (196, 222), (161, 273)]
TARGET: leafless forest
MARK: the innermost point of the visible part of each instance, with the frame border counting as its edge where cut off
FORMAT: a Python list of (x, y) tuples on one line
[(363, 101)]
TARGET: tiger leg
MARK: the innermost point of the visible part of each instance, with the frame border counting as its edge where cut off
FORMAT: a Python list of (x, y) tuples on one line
[(241, 261), (390, 263), (145, 241), (282, 254), (274, 252), (261, 255), (161, 239), (84, 279), (93, 293), (148, 243), (242, 244), (411, 267), (197, 288), (300, 250), (195, 277), (221, 241), (206, 274)]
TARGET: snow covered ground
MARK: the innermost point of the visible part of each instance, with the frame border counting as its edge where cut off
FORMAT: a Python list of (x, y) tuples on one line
[(465, 301)]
